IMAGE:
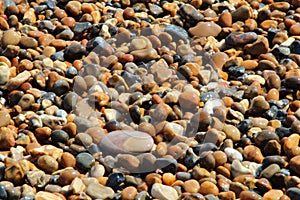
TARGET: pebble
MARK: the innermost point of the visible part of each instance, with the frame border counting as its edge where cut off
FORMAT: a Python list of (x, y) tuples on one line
[(241, 14), (67, 176), (205, 29), (84, 161), (208, 187), (47, 163), (4, 73), (225, 19), (144, 54), (98, 191), (293, 193), (163, 192), (5, 118), (7, 138), (233, 154), (260, 46), (74, 51), (17, 81), (111, 143), (294, 164), (129, 193), (191, 186), (190, 14), (142, 100), (239, 40), (295, 29), (10, 37)]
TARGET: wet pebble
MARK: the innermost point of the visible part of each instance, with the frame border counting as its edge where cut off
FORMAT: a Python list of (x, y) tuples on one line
[(84, 161)]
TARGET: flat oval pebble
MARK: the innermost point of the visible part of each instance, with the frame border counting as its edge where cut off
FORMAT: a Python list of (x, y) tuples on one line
[(98, 191), (205, 29), (126, 142), (163, 192)]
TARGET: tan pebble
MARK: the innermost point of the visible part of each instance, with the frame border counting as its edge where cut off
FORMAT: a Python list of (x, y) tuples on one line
[(273, 94), (128, 161), (10, 37), (171, 7), (220, 157), (250, 25), (13, 171), (248, 195), (129, 193), (147, 128), (205, 29), (163, 192), (73, 7), (220, 59), (282, 6), (189, 100), (5, 118), (232, 132), (152, 178), (168, 178), (41, 195), (290, 144), (25, 65), (30, 14), (275, 123), (191, 186), (227, 195), (47, 163), (46, 39), (208, 187), (268, 24), (59, 44), (5, 60), (279, 38), (249, 64)]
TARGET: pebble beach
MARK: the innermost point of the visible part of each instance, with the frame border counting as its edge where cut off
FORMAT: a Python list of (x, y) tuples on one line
[(149, 99)]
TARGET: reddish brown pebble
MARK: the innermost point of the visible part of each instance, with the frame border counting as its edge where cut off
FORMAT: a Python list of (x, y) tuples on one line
[(67, 176), (67, 160), (225, 19), (128, 13), (248, 195), (295, 29)]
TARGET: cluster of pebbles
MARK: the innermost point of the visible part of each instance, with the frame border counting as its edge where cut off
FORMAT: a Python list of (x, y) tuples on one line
[(149, 99)]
